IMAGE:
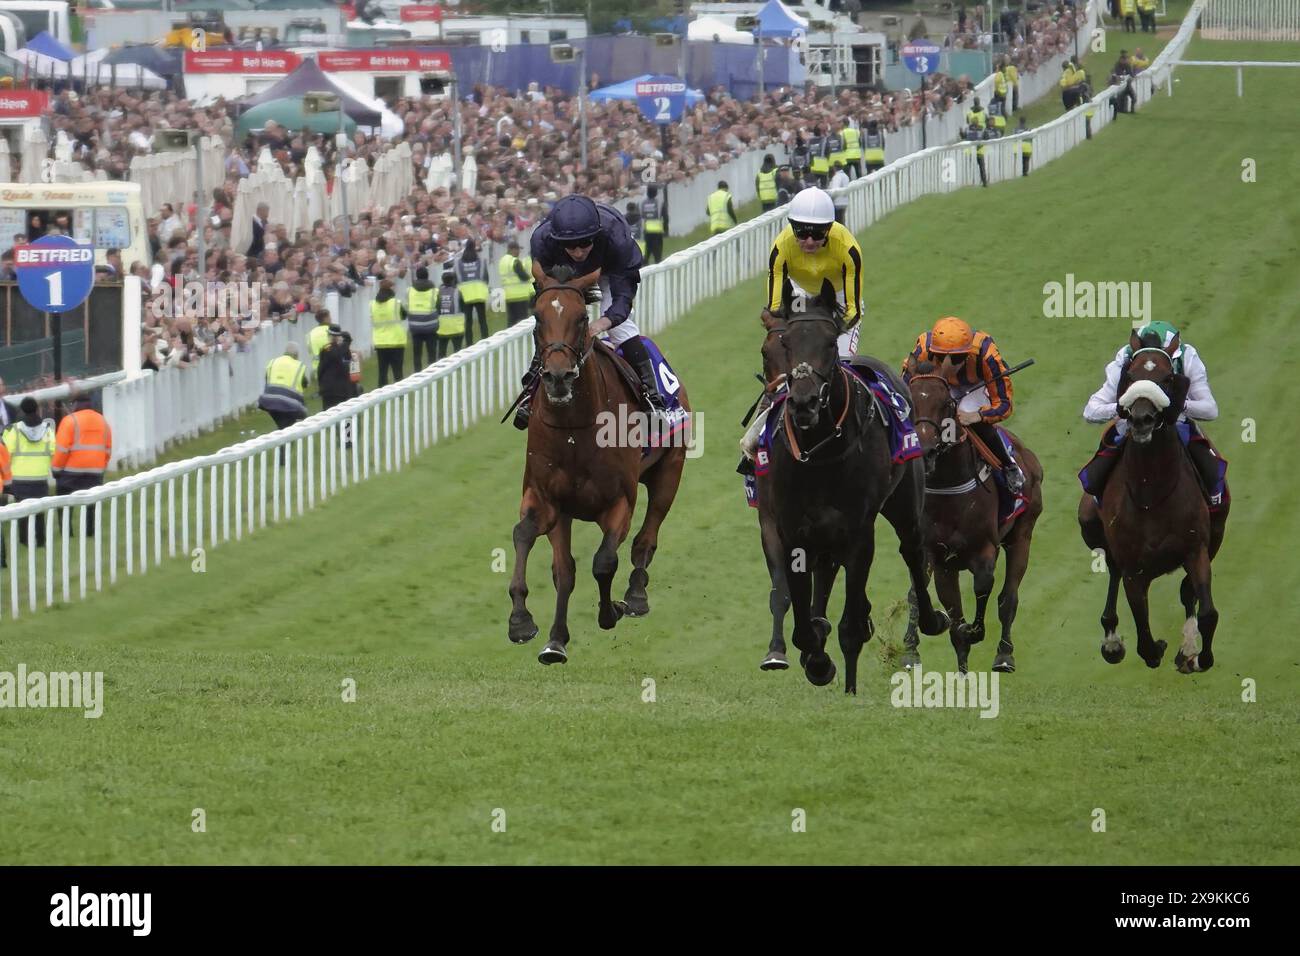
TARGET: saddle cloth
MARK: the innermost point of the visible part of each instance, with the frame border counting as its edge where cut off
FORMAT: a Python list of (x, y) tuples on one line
[(892, 408), (669, 387)]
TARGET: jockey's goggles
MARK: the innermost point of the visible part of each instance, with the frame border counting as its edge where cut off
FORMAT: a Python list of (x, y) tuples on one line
[(806, 231), (578, 243)]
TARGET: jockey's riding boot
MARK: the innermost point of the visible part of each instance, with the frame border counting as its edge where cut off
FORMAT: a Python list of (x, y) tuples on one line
[(749, 442), (1011, 473), (525, 408), (1207, 464), (634, 351)]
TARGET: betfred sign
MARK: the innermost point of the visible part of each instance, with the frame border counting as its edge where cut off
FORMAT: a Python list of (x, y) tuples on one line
[(39, 256), (383, 61), (420, 13), (16, 104), (55, 273), (241, 61), (652, 88)]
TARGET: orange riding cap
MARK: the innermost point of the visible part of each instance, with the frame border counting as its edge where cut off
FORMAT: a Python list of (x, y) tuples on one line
[(977, 363)]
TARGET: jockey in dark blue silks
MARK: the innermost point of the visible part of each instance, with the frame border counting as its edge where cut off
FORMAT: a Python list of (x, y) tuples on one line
[(585, 236)]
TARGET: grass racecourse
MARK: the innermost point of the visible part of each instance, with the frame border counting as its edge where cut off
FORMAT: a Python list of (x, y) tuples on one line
[(224, 689)]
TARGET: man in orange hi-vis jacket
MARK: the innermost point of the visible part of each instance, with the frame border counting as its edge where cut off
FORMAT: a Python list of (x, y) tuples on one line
[(82, 447)]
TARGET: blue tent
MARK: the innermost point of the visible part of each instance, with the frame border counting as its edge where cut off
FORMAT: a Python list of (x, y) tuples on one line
[(776, 20), (627, 91), (46, 45)]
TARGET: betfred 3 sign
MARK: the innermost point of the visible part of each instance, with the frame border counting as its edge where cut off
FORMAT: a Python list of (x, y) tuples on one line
[(55, 274)]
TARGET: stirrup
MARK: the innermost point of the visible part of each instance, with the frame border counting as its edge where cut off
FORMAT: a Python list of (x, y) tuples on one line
[(1015, 478)]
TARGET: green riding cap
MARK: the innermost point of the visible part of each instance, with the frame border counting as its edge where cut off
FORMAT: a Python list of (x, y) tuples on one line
[(1166, 332)]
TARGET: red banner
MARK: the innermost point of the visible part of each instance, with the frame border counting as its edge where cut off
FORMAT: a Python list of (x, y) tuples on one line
[(241, 61), (16, 104), (383, 61), (420, 13)]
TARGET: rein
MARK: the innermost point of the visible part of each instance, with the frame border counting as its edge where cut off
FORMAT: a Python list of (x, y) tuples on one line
[(982, 472)]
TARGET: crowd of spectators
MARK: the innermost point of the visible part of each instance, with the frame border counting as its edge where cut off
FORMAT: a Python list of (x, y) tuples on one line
[(1031, 39), (525, 150)]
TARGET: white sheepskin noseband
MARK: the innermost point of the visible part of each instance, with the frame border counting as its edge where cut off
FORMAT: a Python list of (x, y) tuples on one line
[(1148, 390)]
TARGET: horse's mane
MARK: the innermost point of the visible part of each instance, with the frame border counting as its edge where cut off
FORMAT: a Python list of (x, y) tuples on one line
[(562, 274)]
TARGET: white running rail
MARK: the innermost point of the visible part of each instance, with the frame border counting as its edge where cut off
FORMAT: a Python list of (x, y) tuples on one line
[(208, 501), (1251, 20)]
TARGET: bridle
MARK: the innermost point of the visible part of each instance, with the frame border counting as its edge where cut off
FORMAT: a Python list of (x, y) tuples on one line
[(1160, 419), (805, 370), (942, 446), (543, 350)]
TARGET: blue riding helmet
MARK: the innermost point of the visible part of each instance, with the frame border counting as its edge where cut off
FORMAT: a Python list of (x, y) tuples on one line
[(574, 218)]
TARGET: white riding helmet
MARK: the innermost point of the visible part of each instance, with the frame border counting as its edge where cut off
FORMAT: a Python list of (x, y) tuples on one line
[(812, 206)]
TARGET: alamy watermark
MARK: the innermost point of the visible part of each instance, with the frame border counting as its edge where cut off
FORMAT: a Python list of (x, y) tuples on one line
[(1082, 299), (635, 429), (129, 910), (211, 300), (76, 690), (919, 688)]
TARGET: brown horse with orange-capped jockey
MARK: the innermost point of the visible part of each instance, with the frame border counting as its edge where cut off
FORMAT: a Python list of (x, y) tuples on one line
[(983, 487)]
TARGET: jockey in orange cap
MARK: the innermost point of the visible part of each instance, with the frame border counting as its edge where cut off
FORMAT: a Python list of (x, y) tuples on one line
[(967, 358)]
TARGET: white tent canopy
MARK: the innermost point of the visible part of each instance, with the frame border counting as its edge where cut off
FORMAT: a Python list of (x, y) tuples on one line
[(391, 124), (707, 29), (126, 74)]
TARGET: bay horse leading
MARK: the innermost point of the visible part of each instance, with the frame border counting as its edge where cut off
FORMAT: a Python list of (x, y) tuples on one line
[(571, 472), (830, 471), (1154, 517), (966, 521)]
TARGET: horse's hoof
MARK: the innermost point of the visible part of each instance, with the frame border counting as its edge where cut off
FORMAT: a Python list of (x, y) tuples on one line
[(910, 659), (638, 605), (818, 674), (522, 630), (938, 624), (1112, 653), (1005, 664), (1154, 660), (553, 653), (607, 620), (774, 661)]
